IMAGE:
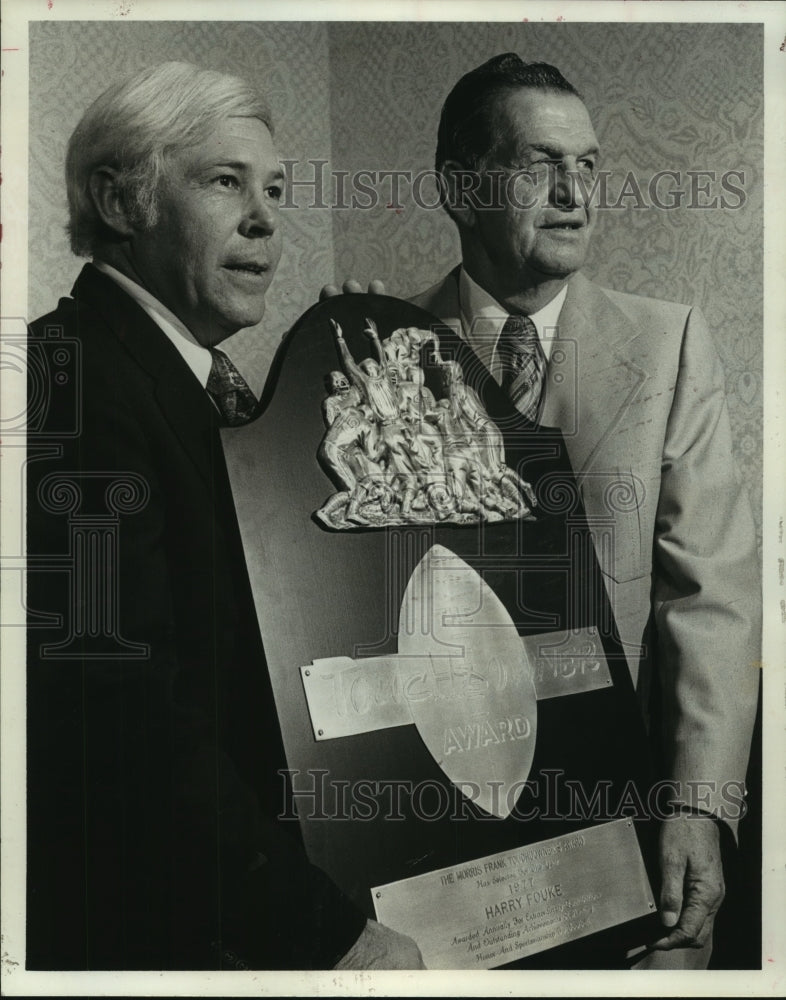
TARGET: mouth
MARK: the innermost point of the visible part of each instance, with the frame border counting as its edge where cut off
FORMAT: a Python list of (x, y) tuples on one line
[(247, 267), (569, 225)]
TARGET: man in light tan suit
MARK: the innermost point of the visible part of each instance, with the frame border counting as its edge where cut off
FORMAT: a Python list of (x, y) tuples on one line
[(638, 392)]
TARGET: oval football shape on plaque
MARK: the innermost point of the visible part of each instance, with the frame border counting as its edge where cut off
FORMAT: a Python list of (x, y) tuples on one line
[(468, 681)]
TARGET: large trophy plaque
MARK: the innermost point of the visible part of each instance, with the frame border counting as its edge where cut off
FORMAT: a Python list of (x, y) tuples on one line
[(464, 744)]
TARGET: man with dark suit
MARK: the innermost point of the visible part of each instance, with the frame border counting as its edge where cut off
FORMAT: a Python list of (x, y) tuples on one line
[(637, 390), (153, 742)]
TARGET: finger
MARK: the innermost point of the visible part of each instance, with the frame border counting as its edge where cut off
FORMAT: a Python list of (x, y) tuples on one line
[(706, 931), (692, 930), (702, 898), (673, 875), (352, 287), (376, 287), (328, 292)]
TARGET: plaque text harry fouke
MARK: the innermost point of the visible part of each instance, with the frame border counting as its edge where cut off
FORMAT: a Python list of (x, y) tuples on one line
[(515, 903)]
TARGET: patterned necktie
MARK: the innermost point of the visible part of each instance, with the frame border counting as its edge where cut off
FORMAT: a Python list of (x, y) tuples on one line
[(236, 402), (523, 365)]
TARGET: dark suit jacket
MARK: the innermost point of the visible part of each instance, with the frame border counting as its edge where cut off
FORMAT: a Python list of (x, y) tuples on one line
[(152, 784)]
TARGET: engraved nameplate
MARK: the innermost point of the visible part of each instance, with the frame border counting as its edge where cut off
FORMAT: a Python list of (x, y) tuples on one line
[(346, 697), (568, 662), (505, 906)]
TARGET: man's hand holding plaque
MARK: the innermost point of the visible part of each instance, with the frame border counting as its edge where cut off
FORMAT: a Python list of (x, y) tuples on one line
[(692, 886), (352, 287), (379, 947)]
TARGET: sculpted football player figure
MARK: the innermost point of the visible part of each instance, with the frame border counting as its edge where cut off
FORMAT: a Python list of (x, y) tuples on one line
[(373, 380), (340, 396), (350, 451), (467, 410)]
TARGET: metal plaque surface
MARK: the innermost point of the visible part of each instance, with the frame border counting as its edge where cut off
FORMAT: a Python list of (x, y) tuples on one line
[(347, 697), (374, 805), (567, 662), (496, 909), (467, 679)]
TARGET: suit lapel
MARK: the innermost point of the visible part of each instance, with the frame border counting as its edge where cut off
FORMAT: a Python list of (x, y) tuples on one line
[(592, 378), (183, 402), (442, 300)]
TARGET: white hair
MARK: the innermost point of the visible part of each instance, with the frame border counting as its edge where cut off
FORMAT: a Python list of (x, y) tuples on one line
[(135, 126)]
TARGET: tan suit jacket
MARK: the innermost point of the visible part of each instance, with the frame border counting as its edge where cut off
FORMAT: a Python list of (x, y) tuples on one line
[(637, 389)]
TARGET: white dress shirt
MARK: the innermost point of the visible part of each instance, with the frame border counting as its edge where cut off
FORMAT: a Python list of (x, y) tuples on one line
[(197, 358), (482, 319)]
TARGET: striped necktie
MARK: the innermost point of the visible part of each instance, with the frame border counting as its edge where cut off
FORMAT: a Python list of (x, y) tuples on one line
[(235, 401), (523, 365)]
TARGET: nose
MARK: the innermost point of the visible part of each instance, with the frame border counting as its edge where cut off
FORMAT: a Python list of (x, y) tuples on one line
[(566, 190), (260, 214)]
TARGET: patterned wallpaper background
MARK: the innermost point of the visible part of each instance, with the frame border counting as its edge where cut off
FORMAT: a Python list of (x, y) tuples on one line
[(289, 61), (367, 96)]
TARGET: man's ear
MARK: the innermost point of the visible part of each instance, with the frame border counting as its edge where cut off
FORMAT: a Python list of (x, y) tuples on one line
[(461, 189), (109, 201)]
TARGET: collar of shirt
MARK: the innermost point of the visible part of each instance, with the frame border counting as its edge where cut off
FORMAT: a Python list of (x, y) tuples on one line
[(482, 319), (197, 358)]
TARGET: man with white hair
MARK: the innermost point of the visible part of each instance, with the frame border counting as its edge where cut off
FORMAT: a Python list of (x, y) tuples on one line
[(153, 741)]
